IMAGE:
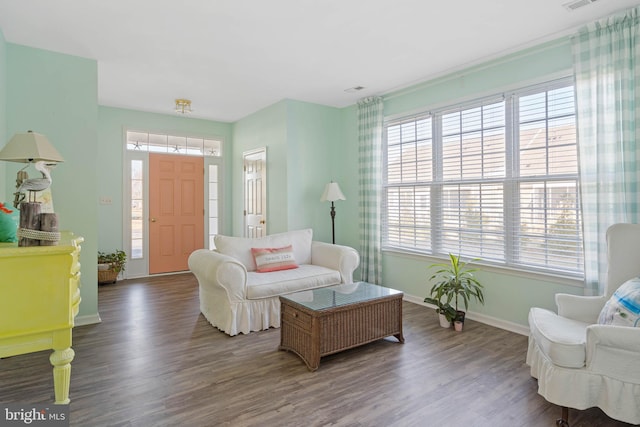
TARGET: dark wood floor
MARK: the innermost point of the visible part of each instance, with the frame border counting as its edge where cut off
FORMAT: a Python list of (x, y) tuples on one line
[(155, 361)]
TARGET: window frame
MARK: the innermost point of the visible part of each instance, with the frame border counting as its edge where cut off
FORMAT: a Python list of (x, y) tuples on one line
[(510, 181)]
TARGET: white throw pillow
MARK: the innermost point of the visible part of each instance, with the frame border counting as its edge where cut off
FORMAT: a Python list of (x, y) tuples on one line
[(623, 308), (301, 242)]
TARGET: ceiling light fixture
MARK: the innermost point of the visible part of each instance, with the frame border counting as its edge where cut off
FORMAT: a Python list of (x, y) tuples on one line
[(183, 106)]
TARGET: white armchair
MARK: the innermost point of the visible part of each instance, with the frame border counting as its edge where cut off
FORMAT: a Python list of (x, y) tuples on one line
[(580, 363)]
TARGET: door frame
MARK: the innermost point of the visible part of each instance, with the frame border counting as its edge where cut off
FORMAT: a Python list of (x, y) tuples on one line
[(244, 187), (139, 267)]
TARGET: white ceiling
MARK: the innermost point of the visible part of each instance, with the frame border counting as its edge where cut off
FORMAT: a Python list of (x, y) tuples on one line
[(234, 57)]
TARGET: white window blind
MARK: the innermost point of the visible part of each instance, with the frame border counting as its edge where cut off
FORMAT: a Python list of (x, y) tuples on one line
[(472, 184), (496, 179)]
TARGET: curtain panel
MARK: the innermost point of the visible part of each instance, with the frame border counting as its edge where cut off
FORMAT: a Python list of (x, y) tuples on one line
[(370, 121), (607, 71)]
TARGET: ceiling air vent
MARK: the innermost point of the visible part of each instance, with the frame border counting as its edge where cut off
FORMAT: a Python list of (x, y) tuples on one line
[(354, 89), (577, 4)]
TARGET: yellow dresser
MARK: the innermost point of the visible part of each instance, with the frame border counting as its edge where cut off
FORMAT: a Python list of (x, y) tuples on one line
[(39, 298)]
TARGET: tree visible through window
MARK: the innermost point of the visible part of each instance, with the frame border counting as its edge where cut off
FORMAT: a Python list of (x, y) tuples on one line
[(496, 179)]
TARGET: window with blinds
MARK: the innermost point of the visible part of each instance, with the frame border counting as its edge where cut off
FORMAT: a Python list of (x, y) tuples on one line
[(496, 179)]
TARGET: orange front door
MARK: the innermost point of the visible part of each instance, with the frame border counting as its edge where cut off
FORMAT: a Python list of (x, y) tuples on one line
[(176, 211)]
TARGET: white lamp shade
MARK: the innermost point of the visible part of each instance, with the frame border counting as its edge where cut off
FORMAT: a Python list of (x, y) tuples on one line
[(29, 147), (332, 193)]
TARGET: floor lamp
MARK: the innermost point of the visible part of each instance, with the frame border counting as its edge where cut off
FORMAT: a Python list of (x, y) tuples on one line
[(331, 194)]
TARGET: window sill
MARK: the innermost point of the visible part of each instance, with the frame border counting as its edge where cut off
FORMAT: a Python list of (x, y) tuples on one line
[(494, 268)]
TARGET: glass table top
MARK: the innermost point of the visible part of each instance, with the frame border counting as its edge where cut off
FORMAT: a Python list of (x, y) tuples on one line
[(338, 295)]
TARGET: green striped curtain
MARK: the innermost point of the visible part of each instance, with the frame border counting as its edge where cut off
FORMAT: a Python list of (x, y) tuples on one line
[(607, 69), (370, 154)]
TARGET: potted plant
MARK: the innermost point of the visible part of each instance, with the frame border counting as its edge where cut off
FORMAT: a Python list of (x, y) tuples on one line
[(454, 280), (446, 313), (110, 264)]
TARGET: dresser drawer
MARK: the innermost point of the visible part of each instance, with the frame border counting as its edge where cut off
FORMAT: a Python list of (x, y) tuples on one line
[(292, 315)]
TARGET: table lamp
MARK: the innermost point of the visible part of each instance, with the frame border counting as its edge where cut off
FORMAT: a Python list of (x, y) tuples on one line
[(30, 147)]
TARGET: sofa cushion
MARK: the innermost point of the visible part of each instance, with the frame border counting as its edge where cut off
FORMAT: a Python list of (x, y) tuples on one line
[(273, 259), (301, 242), (562, 340), (240, 247), (306, 276), (623, 308)]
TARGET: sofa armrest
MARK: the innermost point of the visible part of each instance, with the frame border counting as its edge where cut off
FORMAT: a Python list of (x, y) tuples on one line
[(336, 257), (614, 351), (215, 269), (577, 307)]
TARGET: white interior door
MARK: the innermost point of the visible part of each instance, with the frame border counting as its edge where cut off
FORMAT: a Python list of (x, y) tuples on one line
[(255, 192)]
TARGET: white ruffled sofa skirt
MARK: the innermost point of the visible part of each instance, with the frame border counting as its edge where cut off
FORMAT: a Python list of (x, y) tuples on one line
[(237, 299)]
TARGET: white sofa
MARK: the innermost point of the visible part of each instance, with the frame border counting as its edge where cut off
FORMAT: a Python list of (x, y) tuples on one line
[(235, 298)]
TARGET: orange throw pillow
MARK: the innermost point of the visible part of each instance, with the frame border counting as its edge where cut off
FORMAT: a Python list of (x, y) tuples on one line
[(273, 259)]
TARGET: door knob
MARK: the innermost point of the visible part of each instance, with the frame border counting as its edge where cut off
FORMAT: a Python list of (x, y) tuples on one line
[(263, 222), (153, 220)]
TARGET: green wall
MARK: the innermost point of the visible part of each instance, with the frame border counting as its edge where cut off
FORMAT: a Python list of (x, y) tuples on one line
[(302, 142), (313, 134), (347, 216), (56, 95), (112, 124), (521, 68), (3, 113), (509, 294)]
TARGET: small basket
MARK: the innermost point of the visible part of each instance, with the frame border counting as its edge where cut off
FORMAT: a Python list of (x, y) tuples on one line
[(107, 276)]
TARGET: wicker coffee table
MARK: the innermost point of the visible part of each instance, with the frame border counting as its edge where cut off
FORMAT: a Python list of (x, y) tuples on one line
[(324, 321)]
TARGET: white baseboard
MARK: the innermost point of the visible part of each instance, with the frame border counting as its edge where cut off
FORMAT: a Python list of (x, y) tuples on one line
[(478, 317), (87, 320)]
